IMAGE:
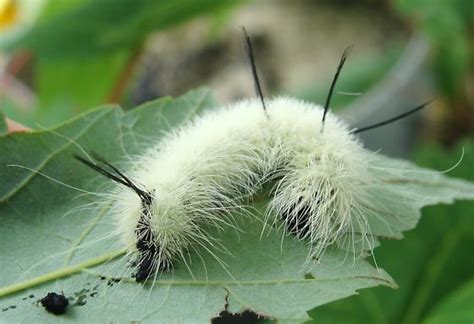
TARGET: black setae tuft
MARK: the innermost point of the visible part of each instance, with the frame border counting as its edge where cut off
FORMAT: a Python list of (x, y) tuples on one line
[(147, 247), (296, 217), (297, 221)]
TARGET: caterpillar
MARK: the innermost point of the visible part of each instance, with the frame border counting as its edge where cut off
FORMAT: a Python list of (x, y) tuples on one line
[(322, 178)]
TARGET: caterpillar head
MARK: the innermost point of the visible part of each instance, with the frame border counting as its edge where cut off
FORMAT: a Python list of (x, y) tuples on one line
[(139, 206)]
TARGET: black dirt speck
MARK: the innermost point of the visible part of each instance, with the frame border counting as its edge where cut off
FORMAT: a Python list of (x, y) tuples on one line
[(55, 303), (81, 301), (8, 308)]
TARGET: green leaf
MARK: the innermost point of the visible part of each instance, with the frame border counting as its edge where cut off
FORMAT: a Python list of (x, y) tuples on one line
[(50, 243), (82, 47), (102, 27), (11, 110), (69, 87), (456, 308), (427, 264), (446, 24)]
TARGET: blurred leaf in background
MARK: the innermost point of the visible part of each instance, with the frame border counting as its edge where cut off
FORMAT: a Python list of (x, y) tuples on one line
[(358, 77), (457, 308), (92, 28), (84, 49), (431, 262), (447, 25)]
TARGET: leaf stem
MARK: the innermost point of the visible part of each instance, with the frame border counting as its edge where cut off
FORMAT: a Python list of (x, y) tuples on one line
[(64, 272)]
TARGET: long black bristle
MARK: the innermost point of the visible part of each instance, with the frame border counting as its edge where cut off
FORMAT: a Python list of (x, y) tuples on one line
[(143, 194), (116, 175), (100, 159), (258, 88), (393, 119), (101, 170), (333, 83)]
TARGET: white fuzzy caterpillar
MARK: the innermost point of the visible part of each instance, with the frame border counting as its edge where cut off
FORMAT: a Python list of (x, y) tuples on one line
[(322, 178), (207, 168)]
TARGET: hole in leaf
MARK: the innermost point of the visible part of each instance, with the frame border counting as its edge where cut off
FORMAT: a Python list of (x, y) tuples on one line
[(237, 318)]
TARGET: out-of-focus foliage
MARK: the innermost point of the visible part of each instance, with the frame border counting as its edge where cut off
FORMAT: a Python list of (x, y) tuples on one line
[(82, 49), (447, 25), (66, 87), (358, 77), (428, 264), (457, 308), (17, 17), (89, 28)]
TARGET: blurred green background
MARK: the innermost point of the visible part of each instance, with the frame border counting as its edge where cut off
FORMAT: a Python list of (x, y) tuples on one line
[(61, 58)]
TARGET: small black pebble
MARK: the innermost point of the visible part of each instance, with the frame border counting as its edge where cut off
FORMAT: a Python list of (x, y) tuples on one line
[(55, 303)]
